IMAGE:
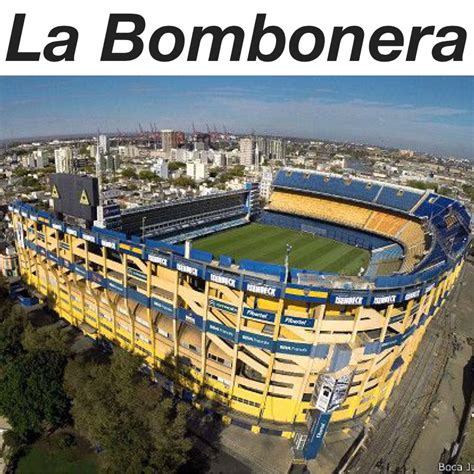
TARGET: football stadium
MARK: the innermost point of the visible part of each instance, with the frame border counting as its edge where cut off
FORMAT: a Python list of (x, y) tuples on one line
[(285, 318)]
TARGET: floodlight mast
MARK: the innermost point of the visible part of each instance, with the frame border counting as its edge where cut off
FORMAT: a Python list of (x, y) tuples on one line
[(289, 248), (98, 169)]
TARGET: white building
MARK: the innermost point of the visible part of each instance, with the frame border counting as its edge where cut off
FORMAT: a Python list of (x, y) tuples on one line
[(35, 159), (247, 152), (160, 168), (128, 151), (63, 160), (266, 182), (197, 171), (178, 154), (103, 144), (41, 160), (220, 159), (28, 161), (93, 151)]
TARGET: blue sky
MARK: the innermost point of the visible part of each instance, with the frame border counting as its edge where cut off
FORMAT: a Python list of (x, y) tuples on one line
[(434, 114)]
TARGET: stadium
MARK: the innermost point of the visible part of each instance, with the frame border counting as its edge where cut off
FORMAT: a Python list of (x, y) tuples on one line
[(284, 319)]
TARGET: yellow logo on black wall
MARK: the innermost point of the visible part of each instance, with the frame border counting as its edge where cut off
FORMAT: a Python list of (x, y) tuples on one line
[(55, 192), (84, 198)]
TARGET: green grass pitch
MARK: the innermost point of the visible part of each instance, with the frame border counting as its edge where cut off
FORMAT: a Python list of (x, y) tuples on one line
[(267, 243)]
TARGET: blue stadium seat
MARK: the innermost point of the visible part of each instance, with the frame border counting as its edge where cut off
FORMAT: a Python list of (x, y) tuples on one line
[(328, 185), (398, 198), (349, 188)]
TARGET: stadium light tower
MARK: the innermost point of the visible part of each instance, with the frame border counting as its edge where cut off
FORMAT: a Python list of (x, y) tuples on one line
[(98, 168), (289, 248)]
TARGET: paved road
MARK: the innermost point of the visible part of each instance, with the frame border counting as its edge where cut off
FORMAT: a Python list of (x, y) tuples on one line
[(231, 449)]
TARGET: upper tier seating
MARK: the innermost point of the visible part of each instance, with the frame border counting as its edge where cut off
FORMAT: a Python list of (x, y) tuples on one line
[(397, 198), (386, 195), (450, 222)]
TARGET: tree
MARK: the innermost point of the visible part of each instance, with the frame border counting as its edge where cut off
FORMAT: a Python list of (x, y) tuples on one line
[(184, 181), (235, 172), (129, 173), (175, 165), (115, 407), (469, 191), (30, 182), (49, 338), (31, 393), (147, 175), (12, 325), (3, 291), (84, 150), (20, 172)]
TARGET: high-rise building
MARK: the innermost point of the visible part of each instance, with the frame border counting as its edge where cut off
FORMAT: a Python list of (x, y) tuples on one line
[(266, 182), (178, 154), (201, 141), (28, 161), (261, 145), (41, 160), (247, 151), (277, 150), (111, 163), (199, 146), (197, 170), (169, 140), (128, 151), (220, 159), (103, 144), (35, 159), (63, 160), (93, 150)]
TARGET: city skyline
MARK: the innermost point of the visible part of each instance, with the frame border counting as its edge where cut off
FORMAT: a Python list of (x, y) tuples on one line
[(432, 114)]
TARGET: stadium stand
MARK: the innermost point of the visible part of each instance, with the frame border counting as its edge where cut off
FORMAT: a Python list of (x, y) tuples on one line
[(390, 252), (345, 187), (169, 219), (396, 227), (385, 260), (319, 208), (383, 223), (180, 234), (398, 198), (327, 184)]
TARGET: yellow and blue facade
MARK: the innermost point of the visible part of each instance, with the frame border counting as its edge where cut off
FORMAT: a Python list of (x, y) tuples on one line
[(247, 345)]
